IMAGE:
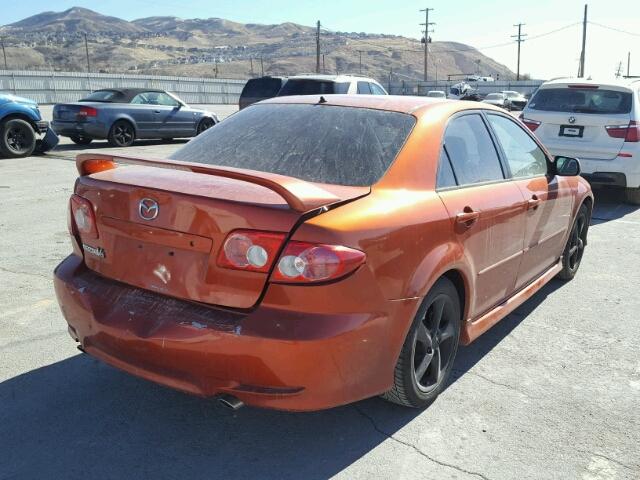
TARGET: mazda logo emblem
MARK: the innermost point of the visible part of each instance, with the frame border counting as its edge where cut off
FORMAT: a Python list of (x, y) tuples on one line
[(572, 119), (148, 209)]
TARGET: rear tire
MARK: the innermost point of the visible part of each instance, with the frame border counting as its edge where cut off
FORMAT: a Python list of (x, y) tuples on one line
[(428, 353), (80, 140), (17, 138), (632, 196), (574, 249), (121, 134)]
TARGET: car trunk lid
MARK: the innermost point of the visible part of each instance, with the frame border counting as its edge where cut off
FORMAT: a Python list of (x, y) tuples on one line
[(175, 252)]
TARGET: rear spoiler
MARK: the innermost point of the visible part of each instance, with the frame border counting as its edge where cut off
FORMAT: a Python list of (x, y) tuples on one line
[(301, 196)]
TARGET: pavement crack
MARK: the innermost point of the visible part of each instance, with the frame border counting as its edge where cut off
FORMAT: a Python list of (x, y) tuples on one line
[(16, 272), (416, 449), (500, 384), (612, 460)]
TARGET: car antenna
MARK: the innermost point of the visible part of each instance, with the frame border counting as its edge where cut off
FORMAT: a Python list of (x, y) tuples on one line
[(322, 99)]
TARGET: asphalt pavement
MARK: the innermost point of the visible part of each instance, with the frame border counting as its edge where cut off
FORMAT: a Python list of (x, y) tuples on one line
[(551, 392)]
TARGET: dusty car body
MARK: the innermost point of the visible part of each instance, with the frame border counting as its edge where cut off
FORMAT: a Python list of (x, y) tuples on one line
[(281, 291)]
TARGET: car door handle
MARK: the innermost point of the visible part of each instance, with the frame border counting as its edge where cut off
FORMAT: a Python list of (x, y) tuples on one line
[(533, 202), (467, 217), (156, 111)]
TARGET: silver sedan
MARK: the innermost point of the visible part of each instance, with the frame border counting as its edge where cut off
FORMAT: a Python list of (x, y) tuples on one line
[(123, 115)]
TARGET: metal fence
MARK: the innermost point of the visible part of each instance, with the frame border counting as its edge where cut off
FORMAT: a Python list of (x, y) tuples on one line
[(56, 87), (526, 87)]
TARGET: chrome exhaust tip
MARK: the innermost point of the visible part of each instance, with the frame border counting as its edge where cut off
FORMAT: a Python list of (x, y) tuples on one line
[(230, 401)]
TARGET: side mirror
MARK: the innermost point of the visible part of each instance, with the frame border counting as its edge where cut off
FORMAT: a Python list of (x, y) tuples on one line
[(567, 166)]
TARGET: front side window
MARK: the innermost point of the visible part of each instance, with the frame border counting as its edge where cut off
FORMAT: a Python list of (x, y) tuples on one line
[(154, 98), (314, 142), (377, 90), (473, 156), (523, 155), (364, 88)]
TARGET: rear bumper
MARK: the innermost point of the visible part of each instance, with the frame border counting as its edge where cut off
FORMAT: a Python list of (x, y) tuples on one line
[(273, 356), (619, 172), (87, 129)]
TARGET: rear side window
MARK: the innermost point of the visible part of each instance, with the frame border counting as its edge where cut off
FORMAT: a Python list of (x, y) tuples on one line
[(364, 88), (262, 88), (523, 155), (446, 177), (317, 143), (103, 96), (312, 87), (581, 100), (473, 156)]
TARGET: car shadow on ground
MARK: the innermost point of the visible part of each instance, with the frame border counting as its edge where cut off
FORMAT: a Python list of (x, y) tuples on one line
[(98, 145), (610, 205), (78, 418)]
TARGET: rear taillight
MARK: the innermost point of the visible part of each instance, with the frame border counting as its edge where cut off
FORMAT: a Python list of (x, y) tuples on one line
[(531, 124), (303, 262), (85, 112), (250, 250), (83, 218), (630, 132)]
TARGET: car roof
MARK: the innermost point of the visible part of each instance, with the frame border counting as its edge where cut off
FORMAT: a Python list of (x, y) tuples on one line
[(127, 94), (610, 82), (394, 103), (332, 78)]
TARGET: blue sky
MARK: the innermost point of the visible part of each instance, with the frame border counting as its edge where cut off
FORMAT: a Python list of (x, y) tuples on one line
[(475, 22)]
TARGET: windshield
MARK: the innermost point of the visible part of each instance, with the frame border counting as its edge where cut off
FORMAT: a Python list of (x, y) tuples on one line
[(317, 143), (494, 96), (312, 87), (576, 100)]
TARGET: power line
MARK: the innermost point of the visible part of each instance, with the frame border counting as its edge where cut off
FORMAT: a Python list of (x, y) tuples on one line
[(614, 29)]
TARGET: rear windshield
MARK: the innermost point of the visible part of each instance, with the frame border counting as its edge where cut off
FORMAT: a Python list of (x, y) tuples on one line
[(577, 100), (103, 96), (316, 143), (312, 87), (262, 87)]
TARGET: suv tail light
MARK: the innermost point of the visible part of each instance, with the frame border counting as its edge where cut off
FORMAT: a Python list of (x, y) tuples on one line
[(85, 112), (83, 218), (250, 250), (303, 262), (630, 132), (531, 124)]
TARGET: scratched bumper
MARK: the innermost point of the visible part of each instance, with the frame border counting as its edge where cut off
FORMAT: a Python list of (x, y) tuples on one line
[(271, 357)]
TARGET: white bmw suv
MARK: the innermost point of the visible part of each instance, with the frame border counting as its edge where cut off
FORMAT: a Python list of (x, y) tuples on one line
[(597, 122)]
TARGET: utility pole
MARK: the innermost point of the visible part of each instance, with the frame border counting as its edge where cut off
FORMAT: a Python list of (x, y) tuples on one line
[(4, 54), (619, 70), (86, 49), (584, 43), (318, 48), (251, 60), (519, 40), (323, 69), (360, 53), (628, 64), (426, 40), (261, 66)]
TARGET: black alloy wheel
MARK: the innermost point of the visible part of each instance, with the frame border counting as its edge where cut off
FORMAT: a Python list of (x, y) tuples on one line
[(205, 124), (18, 138), (574, 249), (122, 134)]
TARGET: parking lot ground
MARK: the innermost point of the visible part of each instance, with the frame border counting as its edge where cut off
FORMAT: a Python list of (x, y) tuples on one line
[(551, 392)]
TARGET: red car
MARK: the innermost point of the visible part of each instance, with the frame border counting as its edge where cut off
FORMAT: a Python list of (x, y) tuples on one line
[(309, 252)]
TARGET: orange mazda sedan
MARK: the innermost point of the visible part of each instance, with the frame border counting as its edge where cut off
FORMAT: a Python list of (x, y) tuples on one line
[(308, 252)]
